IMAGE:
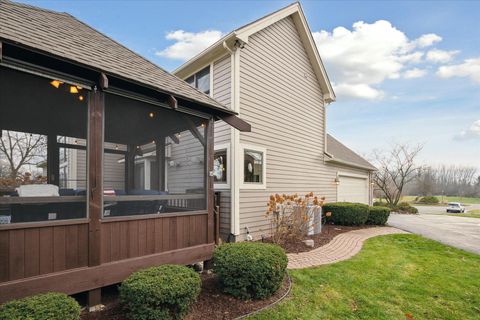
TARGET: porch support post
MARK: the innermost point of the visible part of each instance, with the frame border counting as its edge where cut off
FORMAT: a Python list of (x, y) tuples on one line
[(96, 111), (209, 168), (130, 167), (53, 161), (160, 159)]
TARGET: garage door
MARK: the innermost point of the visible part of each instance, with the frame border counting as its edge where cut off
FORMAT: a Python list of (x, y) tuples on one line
[(353, 189)]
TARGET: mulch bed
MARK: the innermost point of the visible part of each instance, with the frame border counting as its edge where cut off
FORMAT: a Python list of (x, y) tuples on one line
[(211, 304), (329, 231)]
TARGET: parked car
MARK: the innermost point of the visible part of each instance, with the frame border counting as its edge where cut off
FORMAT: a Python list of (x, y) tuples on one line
[(455, 207)]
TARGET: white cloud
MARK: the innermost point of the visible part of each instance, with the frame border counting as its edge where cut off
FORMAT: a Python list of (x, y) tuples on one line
[(188, 44), (471, 133), (367, 55), (414, 73), (362, 91), (427, 40), (441, 56), (469, 68)]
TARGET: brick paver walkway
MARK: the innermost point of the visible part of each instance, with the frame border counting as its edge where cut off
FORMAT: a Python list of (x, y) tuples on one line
[(342, 247)]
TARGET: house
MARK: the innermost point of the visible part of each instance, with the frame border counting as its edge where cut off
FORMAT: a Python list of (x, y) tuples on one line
[(270, 72), (85, 112)]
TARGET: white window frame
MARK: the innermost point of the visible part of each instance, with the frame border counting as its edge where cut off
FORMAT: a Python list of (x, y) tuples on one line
[(224, 185), (253, 185)]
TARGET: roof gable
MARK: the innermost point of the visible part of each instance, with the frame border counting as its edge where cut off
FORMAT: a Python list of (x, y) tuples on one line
[(242, 35), (338, 152)]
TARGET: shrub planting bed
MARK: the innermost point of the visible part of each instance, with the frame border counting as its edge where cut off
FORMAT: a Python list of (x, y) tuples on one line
[(211, 304)]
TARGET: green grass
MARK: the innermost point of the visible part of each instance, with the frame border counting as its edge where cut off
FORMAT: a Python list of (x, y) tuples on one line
[(391, 277), (468, 214), (445, 199)]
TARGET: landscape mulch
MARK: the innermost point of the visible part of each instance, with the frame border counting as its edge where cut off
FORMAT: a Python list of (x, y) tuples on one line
[(212, 303)]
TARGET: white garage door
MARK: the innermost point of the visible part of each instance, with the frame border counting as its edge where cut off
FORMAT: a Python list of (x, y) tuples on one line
[(353, 189)]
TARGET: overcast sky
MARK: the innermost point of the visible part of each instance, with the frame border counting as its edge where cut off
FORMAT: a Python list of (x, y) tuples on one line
[(402, 71)]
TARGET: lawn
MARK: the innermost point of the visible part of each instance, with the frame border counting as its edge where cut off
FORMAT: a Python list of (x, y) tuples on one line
[(445, 199), (468, 214), (393, 277)]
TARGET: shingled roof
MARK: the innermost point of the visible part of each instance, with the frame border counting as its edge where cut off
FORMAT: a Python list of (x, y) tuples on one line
[(66, 37), (341, 153)]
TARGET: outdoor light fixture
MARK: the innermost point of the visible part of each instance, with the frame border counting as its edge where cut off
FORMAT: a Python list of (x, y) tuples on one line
[(116, 147), (73, 89), (202, 125), (178, 135), (337, 181), (151, 114), (56, 83), (80, 98)]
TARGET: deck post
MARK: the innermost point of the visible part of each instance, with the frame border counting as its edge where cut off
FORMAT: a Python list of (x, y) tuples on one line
[(209, 177), (96, 111)]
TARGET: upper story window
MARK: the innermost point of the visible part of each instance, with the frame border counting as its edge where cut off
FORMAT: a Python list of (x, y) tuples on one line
[(200, 80)]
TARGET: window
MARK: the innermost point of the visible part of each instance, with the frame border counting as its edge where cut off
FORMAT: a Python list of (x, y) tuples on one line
[(42, 170), (201, 80), (155, 165), (254, 173), (221, 166)]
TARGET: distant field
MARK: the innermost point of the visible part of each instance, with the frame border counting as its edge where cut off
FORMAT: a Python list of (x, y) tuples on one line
[(447, 199)]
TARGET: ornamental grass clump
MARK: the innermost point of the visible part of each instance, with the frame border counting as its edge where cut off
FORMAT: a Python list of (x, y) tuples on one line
[(293, 217), (250, 270), (47, 306), (164, 292)]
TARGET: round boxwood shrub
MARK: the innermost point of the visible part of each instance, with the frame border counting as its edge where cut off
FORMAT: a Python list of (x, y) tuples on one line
[(250, 270), (429, 200), (378, 215), (48, 306), (346, 213), (164, 292), (405, 207)]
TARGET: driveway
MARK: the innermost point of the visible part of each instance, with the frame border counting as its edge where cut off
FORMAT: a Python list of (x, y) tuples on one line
[(460, 232)]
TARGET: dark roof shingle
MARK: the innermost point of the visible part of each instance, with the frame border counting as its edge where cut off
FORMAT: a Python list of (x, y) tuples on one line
[(342, 153), (62, 35)]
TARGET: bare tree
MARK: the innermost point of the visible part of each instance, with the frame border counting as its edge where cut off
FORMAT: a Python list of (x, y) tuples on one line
[(396, 167), (19, 149)]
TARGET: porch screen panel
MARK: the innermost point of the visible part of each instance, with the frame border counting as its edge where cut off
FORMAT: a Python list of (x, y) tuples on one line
[(43, 125), (154, 159)]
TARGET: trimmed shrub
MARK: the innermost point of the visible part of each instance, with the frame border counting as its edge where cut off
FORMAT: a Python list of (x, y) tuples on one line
[(346, 213), (405, 207), (378, 215), (48, 306), (250, 270), (164, 292), (379, 204), (428, 200)]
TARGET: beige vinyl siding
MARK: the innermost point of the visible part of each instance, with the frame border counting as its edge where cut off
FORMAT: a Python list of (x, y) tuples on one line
[(281, 98), (222, 93), (189, 164)]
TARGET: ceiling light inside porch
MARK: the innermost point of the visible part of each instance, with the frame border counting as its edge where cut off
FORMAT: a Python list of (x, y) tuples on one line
[(56, 83), (73, 89)]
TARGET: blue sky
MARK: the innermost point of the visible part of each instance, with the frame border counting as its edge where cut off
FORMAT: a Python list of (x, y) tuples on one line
[(403, 71)]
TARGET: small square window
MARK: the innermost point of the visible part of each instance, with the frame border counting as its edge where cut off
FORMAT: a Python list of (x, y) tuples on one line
[(253, 166), (220, 166)]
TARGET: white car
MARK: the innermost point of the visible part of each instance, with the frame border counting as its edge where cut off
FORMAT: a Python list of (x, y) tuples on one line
[(455, 207)]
